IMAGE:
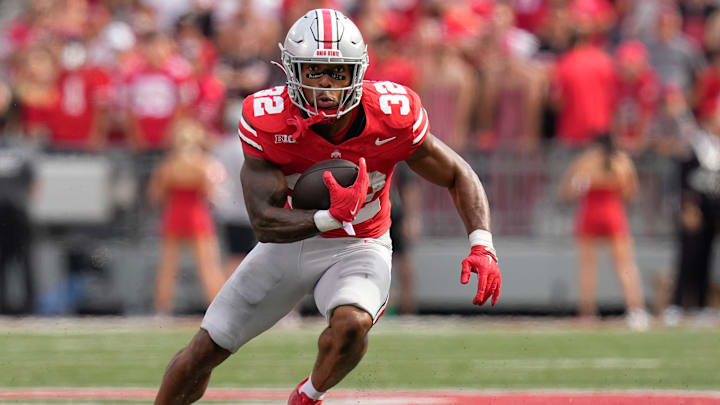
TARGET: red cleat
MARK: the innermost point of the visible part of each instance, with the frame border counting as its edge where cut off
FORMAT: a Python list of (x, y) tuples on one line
[(299, 398)]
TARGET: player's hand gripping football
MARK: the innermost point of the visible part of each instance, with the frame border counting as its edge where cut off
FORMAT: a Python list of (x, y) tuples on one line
[(346, 202), (483, 261)]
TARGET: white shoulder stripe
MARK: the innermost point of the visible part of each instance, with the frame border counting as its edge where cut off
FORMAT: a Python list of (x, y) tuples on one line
[(249, 141), (419, 120), (247, 126), (422, 134)]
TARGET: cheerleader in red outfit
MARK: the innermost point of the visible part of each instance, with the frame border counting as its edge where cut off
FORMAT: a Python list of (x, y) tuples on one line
[(182, 184), (602, 178)]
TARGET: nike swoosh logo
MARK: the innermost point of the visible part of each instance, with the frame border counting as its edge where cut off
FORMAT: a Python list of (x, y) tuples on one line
[(354, 210), (378, 142)]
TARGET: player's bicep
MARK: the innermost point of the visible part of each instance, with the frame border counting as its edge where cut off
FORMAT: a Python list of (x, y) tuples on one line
[(435, 162), (263, 185)]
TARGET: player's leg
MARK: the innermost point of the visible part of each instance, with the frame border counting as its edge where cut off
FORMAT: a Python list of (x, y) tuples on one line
[(188, 373), (341, 346), (260, 292), (587, 277), (352, 294), (207, 254), (166, 275)]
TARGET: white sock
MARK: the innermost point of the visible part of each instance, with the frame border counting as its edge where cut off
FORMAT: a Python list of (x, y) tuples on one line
[(310, 390)]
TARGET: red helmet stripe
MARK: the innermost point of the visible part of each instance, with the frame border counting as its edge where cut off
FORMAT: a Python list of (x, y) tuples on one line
[(328, 31)]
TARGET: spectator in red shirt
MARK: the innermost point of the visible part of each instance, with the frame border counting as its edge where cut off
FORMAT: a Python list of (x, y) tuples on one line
[(638, 93), (80, 118), (36, 75), (209, 91), (584, 91), (156, 92)]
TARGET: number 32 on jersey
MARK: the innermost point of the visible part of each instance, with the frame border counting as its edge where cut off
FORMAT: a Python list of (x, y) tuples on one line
[(392, 94), (268, 101)]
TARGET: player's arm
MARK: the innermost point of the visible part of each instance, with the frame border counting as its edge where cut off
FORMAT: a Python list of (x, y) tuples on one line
[(265, 196), (439, 164), (266, 193)]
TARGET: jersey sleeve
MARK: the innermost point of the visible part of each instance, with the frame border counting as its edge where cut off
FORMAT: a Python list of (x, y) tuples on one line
[(264, 115), (421, 123), (252, 141)]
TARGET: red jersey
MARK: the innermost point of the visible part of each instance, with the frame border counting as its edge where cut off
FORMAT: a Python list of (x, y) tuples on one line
[(708, 91), (390, 124), (585, 80), (37, 116), (636, 102), (81, 93), (208, 102), (154, 95)]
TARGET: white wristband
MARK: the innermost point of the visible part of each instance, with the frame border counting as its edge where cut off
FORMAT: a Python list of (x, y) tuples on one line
[(481, 237), (325, 222)]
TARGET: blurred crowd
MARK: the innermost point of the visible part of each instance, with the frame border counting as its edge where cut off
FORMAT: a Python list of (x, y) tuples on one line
[(505, 81), (89, 75)]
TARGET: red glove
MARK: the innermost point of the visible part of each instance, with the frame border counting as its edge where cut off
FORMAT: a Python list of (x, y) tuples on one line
[(483, 261), (345, 203)]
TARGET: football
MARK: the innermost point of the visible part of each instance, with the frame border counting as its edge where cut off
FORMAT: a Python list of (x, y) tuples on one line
[(310, 191)]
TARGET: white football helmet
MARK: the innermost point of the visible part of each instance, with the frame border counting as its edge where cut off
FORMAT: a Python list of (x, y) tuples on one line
[(324, 36)]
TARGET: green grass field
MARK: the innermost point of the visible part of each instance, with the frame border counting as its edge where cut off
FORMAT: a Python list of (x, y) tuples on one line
[(432, 353)]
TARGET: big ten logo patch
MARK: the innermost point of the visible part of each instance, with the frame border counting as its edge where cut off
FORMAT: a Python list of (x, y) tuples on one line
[(283, 138)]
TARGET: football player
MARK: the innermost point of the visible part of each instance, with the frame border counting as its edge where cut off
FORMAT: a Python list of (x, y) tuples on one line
[(341, 255)]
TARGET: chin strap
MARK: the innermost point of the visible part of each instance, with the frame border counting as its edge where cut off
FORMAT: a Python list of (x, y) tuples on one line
[(301, 125)]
